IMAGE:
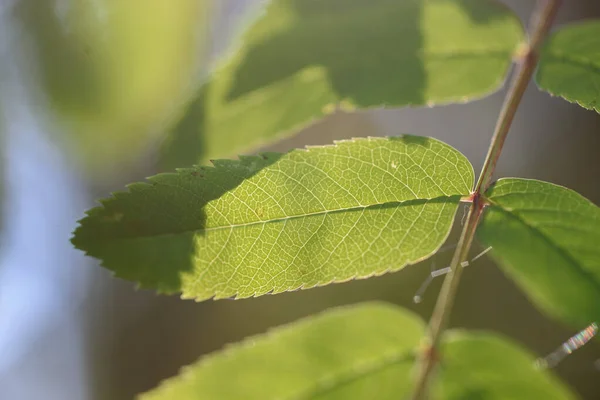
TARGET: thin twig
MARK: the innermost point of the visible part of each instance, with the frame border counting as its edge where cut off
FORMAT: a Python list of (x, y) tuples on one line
[(541, 22), (527, 61)]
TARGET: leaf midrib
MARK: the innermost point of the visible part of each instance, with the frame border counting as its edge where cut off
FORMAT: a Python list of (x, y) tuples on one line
[(450, 199), (583, 62), (577, 266), (356, 373)]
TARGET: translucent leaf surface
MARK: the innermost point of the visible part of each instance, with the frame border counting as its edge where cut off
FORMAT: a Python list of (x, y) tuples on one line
[(547, 238), (484, 366), (277, 222), (304, 59), (570, 64), (360, 352)]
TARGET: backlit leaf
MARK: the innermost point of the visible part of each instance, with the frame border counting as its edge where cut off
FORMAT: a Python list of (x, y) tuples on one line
[(273, 223), (485, 366), (547, 238), (304, 59), (361, 352), (570, 65)]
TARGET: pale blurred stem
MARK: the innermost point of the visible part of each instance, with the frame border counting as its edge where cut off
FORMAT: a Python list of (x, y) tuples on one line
[(527, 59)]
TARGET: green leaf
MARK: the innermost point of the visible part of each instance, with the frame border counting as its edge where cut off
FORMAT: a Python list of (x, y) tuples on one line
[(547, 237), (304, 59), (478, 365), (570, 65), (113, 72), (365, 351), (275, 222)]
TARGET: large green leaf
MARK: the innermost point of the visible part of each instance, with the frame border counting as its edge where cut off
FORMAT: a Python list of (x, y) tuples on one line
[(276, 222), (570, 64), (547, 238), (365, 351), (303, 59)]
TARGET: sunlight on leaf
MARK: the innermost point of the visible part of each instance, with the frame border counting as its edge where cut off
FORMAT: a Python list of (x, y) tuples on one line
[(480, 365), (570, 65), (333, 355), (306, 59), (273, 223), (546, 237), (340, 355)]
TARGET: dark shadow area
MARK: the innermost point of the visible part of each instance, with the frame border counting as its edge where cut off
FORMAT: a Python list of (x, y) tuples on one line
[(184, 144), (147, 235), (378, 39), (411, 139), (476, 394)]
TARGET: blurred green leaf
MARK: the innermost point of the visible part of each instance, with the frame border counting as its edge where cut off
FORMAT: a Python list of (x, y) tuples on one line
[(570, 65), (366, 351), (305, 59), (274, 223), (547, 238), (116, 72), (484, 366)]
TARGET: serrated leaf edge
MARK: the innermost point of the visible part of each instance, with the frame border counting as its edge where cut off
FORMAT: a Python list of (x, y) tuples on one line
[(139, 285)]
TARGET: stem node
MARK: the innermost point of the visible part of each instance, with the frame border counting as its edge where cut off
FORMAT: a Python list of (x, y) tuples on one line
[(527, 57)]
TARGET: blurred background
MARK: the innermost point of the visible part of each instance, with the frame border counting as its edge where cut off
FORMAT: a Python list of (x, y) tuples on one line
[(88, 89)]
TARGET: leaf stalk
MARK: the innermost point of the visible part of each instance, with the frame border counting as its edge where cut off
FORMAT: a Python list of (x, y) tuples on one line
[(527, 60)]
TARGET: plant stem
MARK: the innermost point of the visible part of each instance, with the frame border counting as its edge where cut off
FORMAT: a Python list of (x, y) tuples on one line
[(541, 22)]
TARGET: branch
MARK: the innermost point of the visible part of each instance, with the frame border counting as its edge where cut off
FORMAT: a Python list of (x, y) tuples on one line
[(541, 22)]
